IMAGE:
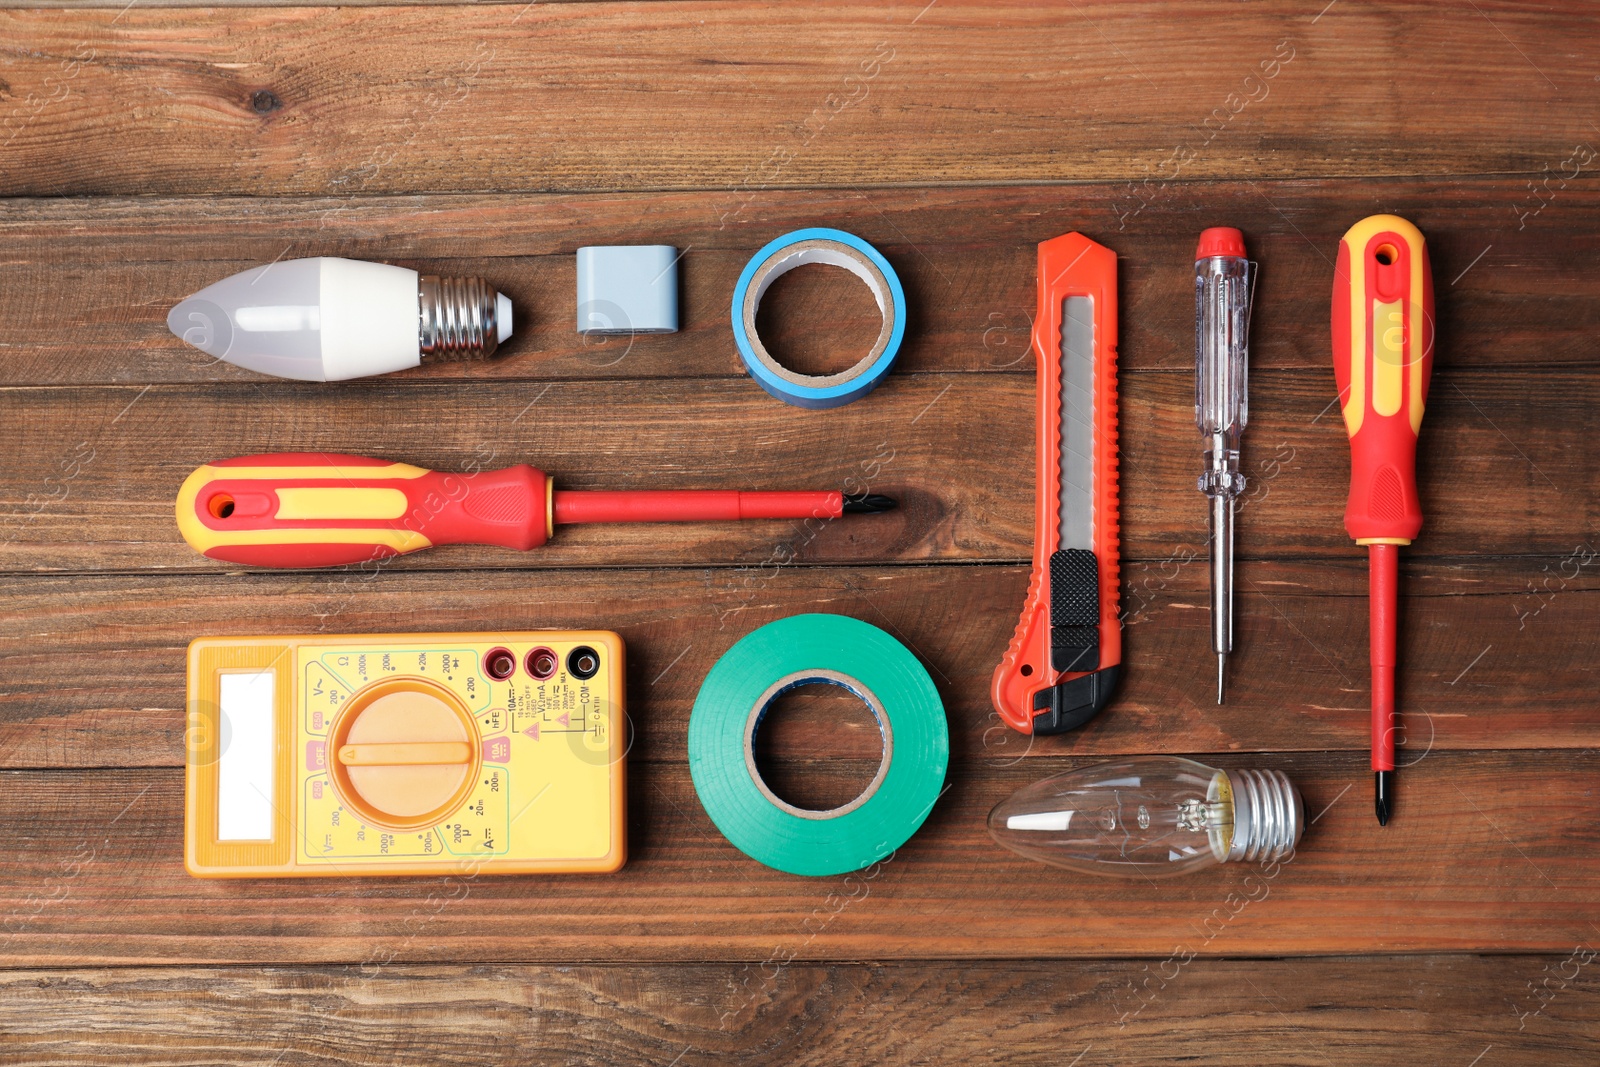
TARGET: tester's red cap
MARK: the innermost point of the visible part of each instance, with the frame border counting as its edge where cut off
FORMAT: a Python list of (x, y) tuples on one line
[(1220, 241)]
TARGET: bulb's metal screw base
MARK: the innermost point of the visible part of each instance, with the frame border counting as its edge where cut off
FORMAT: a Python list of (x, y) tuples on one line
[(1268, 815), (459, 318)]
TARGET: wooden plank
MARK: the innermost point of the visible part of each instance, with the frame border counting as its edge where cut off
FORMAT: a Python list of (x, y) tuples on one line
[(567, 126), (264, 101), (90, 486), (1509, 1010), (92, 670), (102, 494), (1488, 852), (91, 281)]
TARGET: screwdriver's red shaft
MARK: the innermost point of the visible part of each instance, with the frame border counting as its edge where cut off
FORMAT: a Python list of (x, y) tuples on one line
[(707, 505), (1383, 595)]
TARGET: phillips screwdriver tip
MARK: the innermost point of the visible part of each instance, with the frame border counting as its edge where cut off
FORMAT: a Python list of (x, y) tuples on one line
[(1222, 659), (868, 503), (1383, 795)]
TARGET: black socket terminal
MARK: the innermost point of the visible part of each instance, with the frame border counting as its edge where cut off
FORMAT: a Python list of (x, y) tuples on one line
[(500, 664), (583, 662), (542, 663)]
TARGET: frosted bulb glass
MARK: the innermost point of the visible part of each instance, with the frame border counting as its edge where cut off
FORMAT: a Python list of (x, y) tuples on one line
[(1152, 816), (326, 319)]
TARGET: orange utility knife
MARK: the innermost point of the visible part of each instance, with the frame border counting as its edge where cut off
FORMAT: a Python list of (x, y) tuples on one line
[(1066, 654)]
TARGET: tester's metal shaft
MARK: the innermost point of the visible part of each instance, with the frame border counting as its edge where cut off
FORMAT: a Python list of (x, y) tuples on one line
[(1223, 283), (1221, 537)]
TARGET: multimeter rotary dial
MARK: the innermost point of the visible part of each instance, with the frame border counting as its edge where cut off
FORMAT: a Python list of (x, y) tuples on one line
[(404, 753)]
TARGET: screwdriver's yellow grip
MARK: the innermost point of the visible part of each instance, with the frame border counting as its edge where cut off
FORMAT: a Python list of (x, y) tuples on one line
[(1383, 360)]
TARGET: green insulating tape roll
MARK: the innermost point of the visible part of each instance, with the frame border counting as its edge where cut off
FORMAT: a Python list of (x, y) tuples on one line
[(802, 650)]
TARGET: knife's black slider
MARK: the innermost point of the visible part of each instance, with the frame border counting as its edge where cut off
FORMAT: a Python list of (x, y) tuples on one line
[(1074, 645), (1074, 610)]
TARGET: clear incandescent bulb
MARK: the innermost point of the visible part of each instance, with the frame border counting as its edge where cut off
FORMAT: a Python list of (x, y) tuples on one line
[(1151, 816), (327, 319)]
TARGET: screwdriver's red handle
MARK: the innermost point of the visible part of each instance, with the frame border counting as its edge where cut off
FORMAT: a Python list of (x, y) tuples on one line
[(320, 509), (1383, 360)]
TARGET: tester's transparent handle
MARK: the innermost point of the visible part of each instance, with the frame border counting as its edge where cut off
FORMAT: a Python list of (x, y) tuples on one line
[(1222, 291)]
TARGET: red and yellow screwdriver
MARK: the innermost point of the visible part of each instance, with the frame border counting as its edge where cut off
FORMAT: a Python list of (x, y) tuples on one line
[(320, 509), (1383, 358)]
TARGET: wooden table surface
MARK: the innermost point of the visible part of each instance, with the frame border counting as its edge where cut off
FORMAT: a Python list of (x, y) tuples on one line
[(149, 151)]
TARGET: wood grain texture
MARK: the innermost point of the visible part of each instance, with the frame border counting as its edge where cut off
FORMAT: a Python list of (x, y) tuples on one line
[(94, 489), (1231, 1013), (1496, 654), (91, 281), (99, 497), (1489, 852), (146, 152), (268, 101)]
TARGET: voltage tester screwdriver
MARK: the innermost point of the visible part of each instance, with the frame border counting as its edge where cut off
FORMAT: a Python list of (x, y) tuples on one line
[(1224, 281), (1383, 359), (320, 509)]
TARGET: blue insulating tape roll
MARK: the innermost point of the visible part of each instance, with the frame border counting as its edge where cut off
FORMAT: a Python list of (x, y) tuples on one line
[(839, 249), (801, 650)]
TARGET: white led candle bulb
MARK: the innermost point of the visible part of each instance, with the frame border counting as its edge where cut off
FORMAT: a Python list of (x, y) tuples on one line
[(326, 319), (1152, 816)]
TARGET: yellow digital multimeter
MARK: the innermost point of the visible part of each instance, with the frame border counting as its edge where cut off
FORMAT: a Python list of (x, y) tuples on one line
[(449, 753)]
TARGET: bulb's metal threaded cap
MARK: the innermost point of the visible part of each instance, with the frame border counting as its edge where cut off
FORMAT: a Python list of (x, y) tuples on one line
[(1268, 815), (460, 318)]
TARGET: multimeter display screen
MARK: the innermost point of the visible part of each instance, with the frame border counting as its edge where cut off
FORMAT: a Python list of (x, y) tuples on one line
[(245, 764)]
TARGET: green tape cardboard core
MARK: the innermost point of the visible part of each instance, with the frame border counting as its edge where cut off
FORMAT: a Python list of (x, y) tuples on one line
[(797, 651)]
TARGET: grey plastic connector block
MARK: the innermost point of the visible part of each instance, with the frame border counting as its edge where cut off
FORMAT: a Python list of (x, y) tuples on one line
[(627, 289)]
